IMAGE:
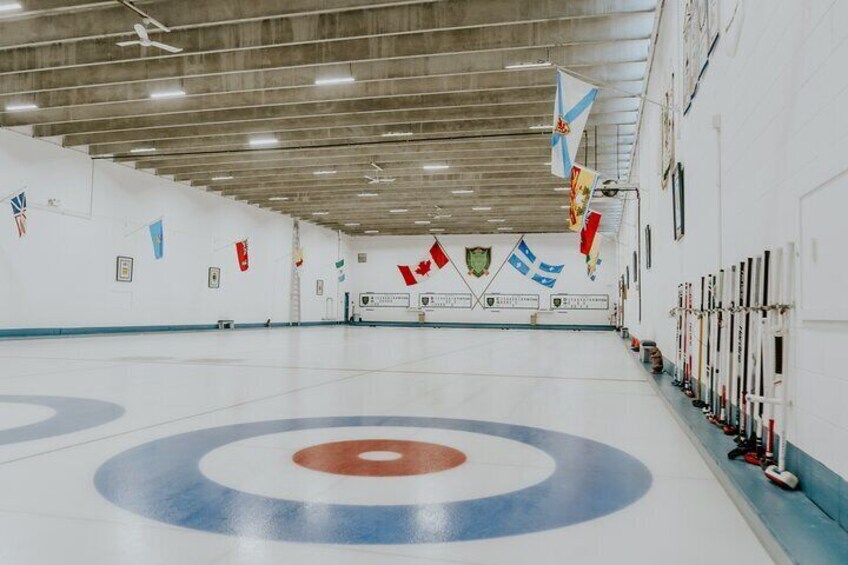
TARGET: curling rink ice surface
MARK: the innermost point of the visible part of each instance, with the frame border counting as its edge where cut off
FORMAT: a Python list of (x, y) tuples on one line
[(349, 445)]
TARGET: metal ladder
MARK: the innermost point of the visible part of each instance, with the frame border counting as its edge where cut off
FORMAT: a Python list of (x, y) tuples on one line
[(294, 289)]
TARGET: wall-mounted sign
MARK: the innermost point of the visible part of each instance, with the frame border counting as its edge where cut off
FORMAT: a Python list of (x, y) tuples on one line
[(444, 300), (511, 301), (384, 300), (214, 277), (580, 302), (124, 269)]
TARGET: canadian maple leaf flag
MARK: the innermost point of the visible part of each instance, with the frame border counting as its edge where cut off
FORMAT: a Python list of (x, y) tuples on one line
[(432, 262)]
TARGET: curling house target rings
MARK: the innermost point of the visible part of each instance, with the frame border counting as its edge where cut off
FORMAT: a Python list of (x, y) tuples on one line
[(391, 458), (72, 415), (162, 480)]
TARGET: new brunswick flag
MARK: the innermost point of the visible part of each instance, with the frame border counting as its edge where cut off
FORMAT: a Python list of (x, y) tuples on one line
[(583, 183)]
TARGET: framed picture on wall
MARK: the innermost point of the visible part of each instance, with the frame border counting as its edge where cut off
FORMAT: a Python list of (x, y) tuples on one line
[(627, 276), (124, 269), (648, 245), (214, 277), (319, 287), (635, 267), (677, 190)]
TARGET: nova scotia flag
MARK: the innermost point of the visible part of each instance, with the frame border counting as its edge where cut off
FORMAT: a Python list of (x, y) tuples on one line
[(574, 99), (526, 263)]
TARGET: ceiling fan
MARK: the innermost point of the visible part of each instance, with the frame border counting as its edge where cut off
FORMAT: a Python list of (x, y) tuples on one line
[(145, 41)]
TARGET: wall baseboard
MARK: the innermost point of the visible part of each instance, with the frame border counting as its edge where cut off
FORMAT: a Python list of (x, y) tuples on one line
[(793, 526), (19, 333), (488, 326)]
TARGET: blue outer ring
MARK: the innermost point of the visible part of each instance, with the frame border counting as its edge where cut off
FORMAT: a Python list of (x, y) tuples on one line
[(72, 415), (162, 480)]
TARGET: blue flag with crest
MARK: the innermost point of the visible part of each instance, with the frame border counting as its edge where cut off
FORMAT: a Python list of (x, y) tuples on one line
[(157, 236)]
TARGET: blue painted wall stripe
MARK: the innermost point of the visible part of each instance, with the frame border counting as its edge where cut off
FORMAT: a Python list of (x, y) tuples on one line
[(489, 326), (59, 332)]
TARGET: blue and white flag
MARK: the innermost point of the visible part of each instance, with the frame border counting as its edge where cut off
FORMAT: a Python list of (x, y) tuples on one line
[(574, 100), (526, 263), (157, 235)]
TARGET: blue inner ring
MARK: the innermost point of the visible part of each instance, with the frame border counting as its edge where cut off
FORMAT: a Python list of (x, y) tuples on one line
[(162, 480), (72, 415)]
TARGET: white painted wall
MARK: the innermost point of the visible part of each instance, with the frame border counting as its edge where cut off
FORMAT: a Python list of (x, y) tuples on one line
[(62, 273), (775, 171), (380, 274)]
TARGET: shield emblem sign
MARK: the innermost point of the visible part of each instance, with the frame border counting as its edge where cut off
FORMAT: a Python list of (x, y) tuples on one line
[(490, 301), (364, 300), (557, 302), (425, 300), (478, 260)]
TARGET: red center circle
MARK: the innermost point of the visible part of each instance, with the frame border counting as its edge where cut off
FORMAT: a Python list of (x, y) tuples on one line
[(343, 458)]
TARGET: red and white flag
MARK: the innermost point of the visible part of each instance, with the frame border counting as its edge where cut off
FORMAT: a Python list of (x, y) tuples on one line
[(243, 256), (432, 262), (590, 229)]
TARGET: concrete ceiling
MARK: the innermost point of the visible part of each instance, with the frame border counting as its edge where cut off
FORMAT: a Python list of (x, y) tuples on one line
[(435, 69)]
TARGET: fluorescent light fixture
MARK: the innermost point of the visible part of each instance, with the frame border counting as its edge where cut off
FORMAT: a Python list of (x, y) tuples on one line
[(263, 141), (167, 94), (21, 107), (462, 191), (435, 167), (320, 213), (442, 217), (352, 225), (504, 229), (562, 189), (223, 177), (143, 150), (372, 231), (542, 126), (496, 220), (529, 65), (422, 222), (398, 211), (278, 198), (565, 207), (436, 230), (325, 172), (548, 164), (481, 208), (10, 7), (397, 134), (368, 194), (336, 80)]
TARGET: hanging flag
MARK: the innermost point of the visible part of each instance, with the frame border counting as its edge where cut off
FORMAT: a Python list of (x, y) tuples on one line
[(432, 262), (19, 208), (590, 229), (526, 263), (593, 259), (573, 103), (243, 257), (298, 257), (157, 235), (340, 269), (583, 183)]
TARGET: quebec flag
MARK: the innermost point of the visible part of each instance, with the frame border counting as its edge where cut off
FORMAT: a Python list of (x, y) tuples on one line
[(526, 263), (574, 99)]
